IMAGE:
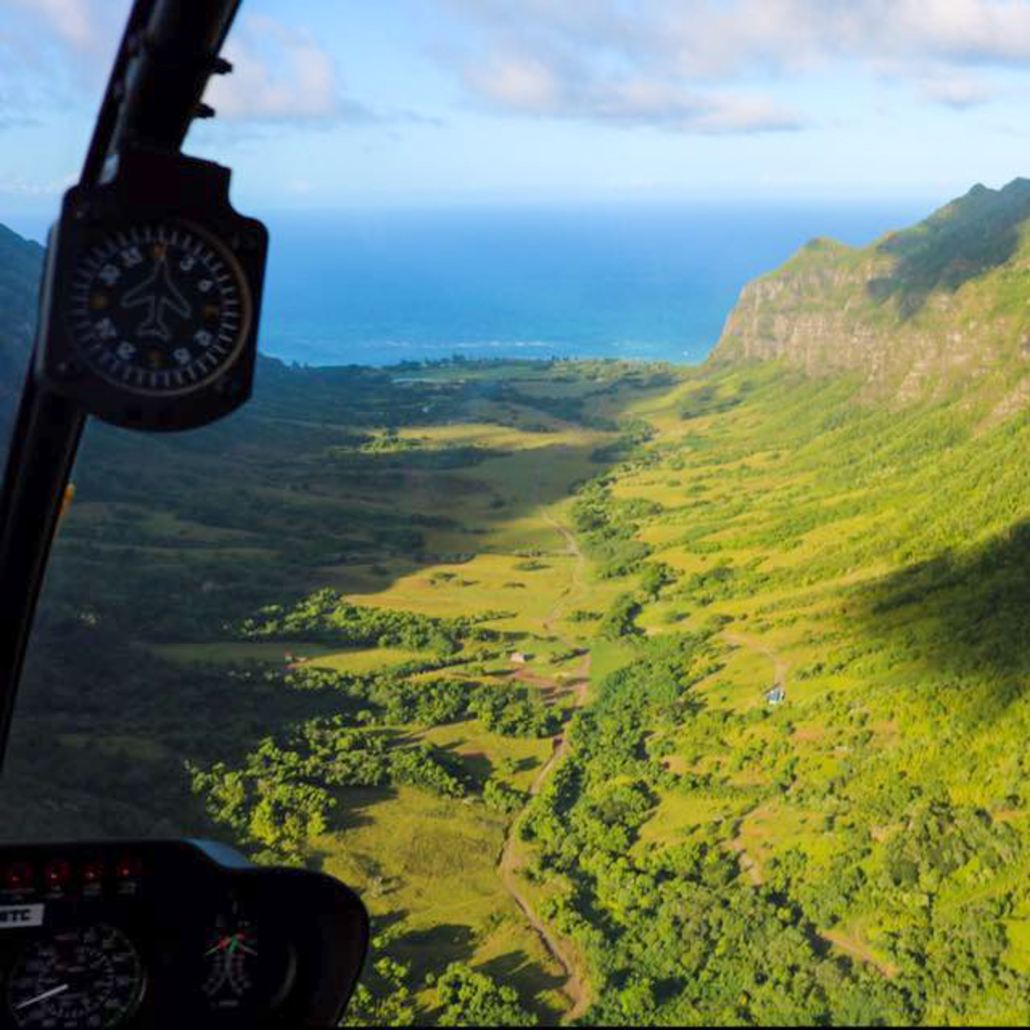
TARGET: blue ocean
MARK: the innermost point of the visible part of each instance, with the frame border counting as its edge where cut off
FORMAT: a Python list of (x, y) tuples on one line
[(637, 282)]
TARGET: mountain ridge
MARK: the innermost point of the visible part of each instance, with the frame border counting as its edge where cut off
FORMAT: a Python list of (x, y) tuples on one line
[(919, 314)]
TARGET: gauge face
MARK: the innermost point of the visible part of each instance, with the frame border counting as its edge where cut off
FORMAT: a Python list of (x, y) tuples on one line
[(158, 308), (243, 968), (81, 977), (231, 956)]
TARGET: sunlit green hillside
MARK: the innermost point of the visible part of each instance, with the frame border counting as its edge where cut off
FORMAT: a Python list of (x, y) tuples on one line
[(873, 565), (623, 693)]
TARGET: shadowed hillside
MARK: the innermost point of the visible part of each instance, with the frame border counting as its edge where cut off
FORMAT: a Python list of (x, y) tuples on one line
[(21, 262), (974, 604), (964, 240)]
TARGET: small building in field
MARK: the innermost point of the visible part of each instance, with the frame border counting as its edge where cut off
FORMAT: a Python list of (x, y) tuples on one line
[(519, 657), (776, 696)]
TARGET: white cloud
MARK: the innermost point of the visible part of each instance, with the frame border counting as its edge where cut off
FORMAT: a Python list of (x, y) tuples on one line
[(75, 22), (54, 54), (529, 85), (558, 87), (964, 31), (280, 73), (958, 90), (22, 187), (522, 83), (681, 63), (747, 114)]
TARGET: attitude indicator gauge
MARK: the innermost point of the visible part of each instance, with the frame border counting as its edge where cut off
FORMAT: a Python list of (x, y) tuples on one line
[(88, 976), (158, 308), (151, 296), (244, 968), (232, 957)]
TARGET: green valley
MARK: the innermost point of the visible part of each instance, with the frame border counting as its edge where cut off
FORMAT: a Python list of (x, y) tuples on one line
[(622, 692)]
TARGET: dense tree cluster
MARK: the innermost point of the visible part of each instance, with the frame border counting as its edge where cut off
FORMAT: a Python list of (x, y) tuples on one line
[(284, 794), (513, 712), (328, 617), (471, 998), (608, 529), (500, 796), (620, 619), (676, 935), (389, 698)]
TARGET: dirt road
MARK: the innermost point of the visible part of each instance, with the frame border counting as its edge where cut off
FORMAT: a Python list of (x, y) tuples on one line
[(512, 859), (577, 581), (856, 949)]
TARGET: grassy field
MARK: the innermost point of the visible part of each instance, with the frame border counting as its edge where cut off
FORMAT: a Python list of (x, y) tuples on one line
[(455, 515), (817, 552), (429, 867), (290, 655), (864, 560)]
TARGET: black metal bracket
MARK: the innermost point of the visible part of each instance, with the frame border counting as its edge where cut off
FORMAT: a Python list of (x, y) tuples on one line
[(168, 51)]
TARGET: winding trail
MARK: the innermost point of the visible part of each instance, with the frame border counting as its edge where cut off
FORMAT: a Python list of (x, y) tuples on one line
[(780, 665), (577, 581), (856, 949), (512, 858)]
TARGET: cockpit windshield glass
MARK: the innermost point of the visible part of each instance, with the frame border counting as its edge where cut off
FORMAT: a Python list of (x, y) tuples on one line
[(619, 577)]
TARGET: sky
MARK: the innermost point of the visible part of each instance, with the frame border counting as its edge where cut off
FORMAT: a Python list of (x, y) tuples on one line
[(337, 104)]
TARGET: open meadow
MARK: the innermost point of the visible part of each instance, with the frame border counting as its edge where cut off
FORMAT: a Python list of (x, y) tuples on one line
[(617, 691)]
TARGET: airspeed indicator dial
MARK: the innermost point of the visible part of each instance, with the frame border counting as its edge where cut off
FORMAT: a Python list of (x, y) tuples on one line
[(88, 976), (158, 308)]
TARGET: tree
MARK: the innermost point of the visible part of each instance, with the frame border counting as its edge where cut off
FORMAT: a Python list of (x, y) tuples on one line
[(501, 797), (383, 997), (655, 576), (472, 998), (620, 620)]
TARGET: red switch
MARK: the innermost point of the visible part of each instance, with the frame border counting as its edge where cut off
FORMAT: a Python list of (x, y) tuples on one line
[(18, 875), (57, 872), (129, 867), (92, 872)]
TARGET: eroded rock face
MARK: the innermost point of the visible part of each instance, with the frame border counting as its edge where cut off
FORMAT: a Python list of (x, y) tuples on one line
[(916, 315), (793, 316)]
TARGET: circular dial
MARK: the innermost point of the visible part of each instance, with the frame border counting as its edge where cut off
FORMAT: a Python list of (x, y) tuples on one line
[(87, 976), (243, 967), (158, 308), (232, 955)]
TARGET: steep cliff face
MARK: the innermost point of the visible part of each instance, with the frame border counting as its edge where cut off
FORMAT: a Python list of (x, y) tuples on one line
[(916, 315)]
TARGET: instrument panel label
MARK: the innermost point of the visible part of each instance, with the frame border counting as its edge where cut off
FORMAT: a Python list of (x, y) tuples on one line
[(16, 917)]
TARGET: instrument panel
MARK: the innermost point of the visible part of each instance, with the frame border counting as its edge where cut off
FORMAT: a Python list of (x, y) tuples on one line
[(159, 308), (183, 934)]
